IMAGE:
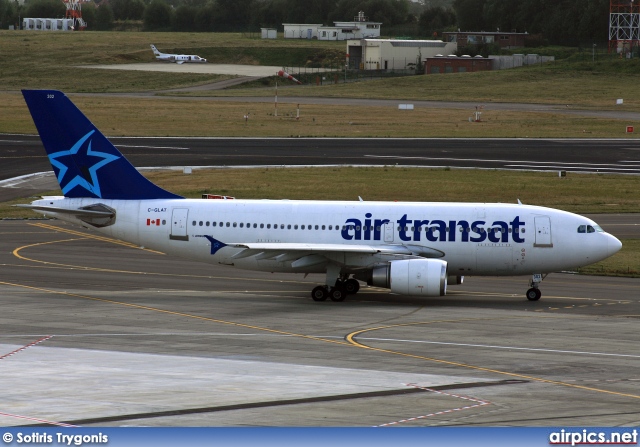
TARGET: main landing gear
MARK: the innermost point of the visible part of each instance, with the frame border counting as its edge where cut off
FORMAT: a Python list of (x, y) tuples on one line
[(342, 286), (534, 294), (338, 292)]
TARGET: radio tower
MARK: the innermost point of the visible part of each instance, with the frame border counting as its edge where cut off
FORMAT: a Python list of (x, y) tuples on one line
[(624, 26), (74, 11)]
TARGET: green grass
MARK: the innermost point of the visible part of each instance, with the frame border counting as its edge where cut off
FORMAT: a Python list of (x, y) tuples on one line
[(624, 263), (576, 85), (580, 193), (123, 116), (50, 60), (32, 59)]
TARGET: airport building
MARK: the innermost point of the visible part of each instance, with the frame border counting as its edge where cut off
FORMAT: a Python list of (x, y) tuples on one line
[(504, 40), (36, 24), (392, 54), (360, 28), (455, 64), (269, 33)]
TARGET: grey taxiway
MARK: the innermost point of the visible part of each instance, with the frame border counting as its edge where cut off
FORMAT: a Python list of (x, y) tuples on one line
[(97, 332)]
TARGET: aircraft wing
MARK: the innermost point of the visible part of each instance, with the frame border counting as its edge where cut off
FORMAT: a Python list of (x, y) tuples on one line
[(298, 251)]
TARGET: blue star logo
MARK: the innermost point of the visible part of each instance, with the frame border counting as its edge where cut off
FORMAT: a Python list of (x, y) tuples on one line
[(84, 163), (215, 244)]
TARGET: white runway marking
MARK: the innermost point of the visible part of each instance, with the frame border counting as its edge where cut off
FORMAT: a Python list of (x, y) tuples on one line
[(155, 147), (558, 351)]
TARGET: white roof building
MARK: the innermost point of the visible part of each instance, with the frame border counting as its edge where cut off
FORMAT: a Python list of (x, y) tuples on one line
[(394, 54), (360, 28)]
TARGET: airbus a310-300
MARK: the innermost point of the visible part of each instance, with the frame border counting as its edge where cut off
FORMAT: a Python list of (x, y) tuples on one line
[(412, 248)]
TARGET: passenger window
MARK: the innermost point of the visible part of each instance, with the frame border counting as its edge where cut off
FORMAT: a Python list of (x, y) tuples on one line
[(241, 225), (282, 226), (255, 225), (200, 223), (268, 226), (193, 223), (330, 227), (207, 223)]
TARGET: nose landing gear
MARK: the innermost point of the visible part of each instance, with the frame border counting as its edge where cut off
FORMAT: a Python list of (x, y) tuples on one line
[(534, 294)]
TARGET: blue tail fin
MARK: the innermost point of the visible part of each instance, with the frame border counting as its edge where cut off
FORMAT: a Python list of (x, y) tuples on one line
[(84, 161)]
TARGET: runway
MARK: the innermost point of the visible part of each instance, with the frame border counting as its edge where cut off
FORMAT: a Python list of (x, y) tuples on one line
[(95, 332), (24, 154)]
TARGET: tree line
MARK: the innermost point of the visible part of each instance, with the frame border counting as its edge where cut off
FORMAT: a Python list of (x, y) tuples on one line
[(559, 22)]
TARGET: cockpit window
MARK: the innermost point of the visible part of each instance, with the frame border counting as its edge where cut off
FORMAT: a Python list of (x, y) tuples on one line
[(590, 229)]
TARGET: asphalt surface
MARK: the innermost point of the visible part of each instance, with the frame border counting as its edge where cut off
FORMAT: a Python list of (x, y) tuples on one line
[(93, 332), (24, 154)]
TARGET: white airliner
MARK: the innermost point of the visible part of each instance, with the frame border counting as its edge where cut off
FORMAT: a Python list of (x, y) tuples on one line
[(411, 248), (177, 58)]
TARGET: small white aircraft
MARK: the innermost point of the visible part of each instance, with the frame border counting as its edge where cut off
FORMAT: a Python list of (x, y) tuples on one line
[(177, 58), (411, 248)]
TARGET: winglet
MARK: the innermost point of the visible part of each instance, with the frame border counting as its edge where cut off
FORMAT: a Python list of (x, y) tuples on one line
[(85, 162)]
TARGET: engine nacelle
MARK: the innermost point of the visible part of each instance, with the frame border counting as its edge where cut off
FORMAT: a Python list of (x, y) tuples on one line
[(425, 277)]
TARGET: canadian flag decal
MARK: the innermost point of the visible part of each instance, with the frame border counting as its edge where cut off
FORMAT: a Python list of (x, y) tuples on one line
[(153, 222)]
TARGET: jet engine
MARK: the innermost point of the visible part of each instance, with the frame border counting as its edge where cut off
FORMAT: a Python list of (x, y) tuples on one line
[(425, 277)]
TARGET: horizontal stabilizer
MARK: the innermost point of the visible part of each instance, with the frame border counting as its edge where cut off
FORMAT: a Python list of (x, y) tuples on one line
[(75, 212), (97, 214)]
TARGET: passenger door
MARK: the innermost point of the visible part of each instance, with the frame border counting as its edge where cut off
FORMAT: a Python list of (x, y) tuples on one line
[(543, 232), (179, 218)]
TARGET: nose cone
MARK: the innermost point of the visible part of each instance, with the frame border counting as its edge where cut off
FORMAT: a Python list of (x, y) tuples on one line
[(613, 245)]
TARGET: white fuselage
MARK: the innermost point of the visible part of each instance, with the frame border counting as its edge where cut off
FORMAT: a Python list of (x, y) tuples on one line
[(180, 58), (474, 238)]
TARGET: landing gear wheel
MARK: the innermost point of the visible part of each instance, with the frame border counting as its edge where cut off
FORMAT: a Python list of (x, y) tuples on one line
[(319, 293), (351, 286), (337, 294), (533, 294)]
